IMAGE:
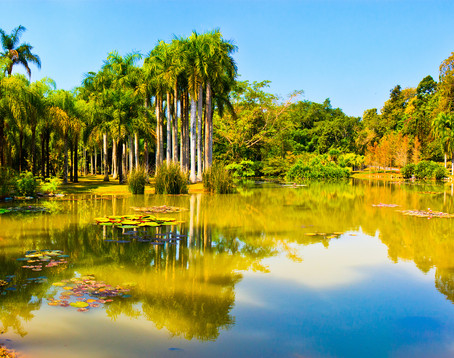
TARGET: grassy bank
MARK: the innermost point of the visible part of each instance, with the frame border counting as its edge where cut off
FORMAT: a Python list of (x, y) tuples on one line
[(94, 184)]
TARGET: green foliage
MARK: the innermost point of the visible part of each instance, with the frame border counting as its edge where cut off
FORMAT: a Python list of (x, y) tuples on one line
[(440, 173), (408, 170), (246, 168), (429, 170), (316, 169), (351, 160), (137, 179), (51, 185), (170, 179), (218, 179), (7, 181), (27, 184)]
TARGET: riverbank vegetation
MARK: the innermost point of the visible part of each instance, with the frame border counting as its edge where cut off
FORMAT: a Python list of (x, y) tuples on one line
[(182, 103)]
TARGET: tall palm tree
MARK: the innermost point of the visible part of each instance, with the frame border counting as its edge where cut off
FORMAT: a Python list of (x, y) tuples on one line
[(443, 128), (15, 53), (219, 72), (192, 58)]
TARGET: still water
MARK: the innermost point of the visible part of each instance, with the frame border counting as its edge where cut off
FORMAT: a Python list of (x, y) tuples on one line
[(250, 280)]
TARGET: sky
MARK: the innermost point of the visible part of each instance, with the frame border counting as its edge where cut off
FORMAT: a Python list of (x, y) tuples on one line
[(350, 51)]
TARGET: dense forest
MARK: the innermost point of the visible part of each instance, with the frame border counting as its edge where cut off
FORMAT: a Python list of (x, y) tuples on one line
[(182, 102)]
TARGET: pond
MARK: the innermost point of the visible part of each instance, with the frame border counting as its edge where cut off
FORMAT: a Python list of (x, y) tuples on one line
[(272, 271)]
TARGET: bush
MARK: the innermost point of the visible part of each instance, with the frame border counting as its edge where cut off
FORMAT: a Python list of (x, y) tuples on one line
[(408, 170), (170, 179), (218, 179), (316, 170), (246, 168), (27, 184), (136, 180), (427, 170), (7, 181), (51, 185), (440, 173)]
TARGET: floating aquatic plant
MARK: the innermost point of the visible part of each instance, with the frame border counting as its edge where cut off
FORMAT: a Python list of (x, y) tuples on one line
[(381, 205), (159, 209), (39, 259), (429, 214), (86, 293)]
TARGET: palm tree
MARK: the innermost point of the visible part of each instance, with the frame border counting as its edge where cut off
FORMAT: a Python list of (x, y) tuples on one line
[(219, 72), (15, 53), (61, 111), (193, 58), (443, 128)]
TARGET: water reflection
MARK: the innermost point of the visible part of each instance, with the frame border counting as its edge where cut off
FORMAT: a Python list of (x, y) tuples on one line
[(189, 289)]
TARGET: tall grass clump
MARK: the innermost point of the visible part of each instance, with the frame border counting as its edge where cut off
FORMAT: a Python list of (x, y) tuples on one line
[(218, 179), (136, 180), (170, 179)]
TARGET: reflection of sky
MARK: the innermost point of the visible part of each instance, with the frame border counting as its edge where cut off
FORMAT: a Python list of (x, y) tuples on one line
[(345, 262), (348, 300)]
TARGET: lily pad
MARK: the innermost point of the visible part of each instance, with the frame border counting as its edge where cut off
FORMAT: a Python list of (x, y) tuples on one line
[(79, 304)]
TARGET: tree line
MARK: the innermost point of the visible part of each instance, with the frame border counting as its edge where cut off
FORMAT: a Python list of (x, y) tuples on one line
[(125, 111), (182, 103)]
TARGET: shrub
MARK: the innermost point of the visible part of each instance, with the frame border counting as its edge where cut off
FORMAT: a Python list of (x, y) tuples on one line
[(426, 170), (316, 170), (27, 184), (218, 179), (170, 179), (245, 168), (136, 180), (51, 185), (440, 173), (408, 170), (7, 181)]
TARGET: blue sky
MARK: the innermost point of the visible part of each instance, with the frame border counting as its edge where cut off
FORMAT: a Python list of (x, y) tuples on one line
[(351, 51)]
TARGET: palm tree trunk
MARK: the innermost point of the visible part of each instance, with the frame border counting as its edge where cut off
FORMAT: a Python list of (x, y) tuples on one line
[(192, 176), (47, 154), (136, 148), (175, 124), (20, 150), (91, 163), (159, 140), (96, 159), (114, 159), (65, 168), (71, 160), (131, 153), (85, 161), (187, 137), (43, 155), (119, 162), (209, 129), (169, 130), (199, 133), (124, 163), (182, 133), (104, 140), (145, 154), (446, 160), (76, 160), (33, 149)]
